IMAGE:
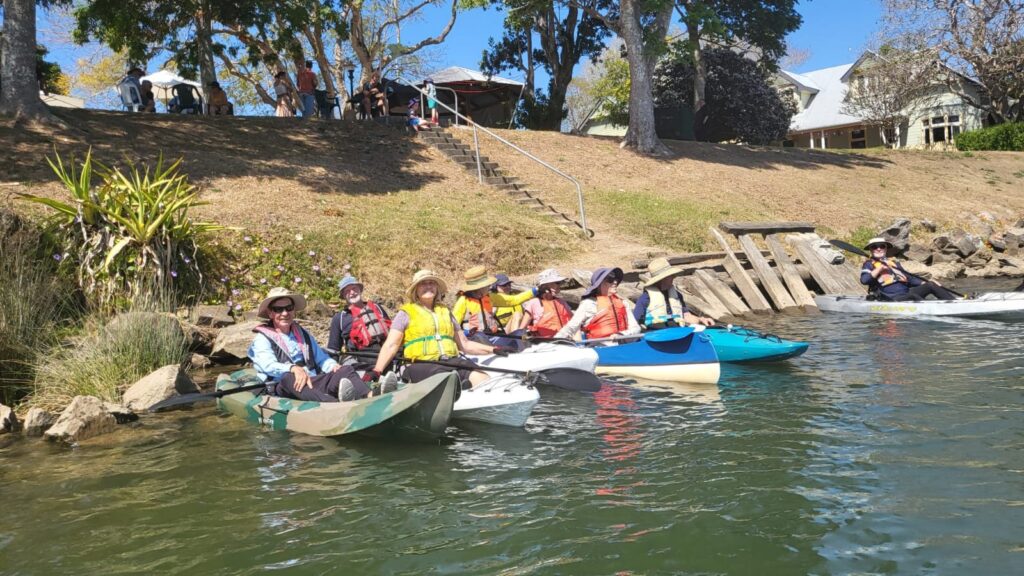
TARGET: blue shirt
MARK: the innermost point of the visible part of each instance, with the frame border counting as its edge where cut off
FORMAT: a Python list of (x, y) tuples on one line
[(264, 359), (897, 288)]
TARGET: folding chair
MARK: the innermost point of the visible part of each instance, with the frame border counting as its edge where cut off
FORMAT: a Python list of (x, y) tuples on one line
[(187, 99), (131, 97)]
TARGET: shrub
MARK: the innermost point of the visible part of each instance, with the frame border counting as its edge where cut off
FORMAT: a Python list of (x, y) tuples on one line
[(1006, 137), (111, 356), (130, 233)]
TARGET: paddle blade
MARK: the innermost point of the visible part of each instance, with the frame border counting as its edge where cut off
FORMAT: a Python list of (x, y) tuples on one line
[(570, 379), (848, 247), (669, 334), (187, 399)]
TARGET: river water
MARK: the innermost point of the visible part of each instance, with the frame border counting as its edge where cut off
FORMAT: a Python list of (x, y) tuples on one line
[(891, 447)]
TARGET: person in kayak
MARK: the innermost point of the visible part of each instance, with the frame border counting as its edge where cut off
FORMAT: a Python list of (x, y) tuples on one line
[(425, 329), (362, 325), (601, 312), (661, 305), (545, 315), (508, 317), (475, 308), (289, 360), (887, 280)]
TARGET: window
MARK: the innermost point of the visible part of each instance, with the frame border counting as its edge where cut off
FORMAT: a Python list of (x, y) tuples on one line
[(858, 138), (941, 128), (890, 137)]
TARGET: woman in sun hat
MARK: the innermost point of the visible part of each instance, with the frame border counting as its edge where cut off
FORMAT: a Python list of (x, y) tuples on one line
[(661, 304), (360, 324), (601, 312), (545, 315), (290, 361), (476, 310), (887, 280), (424, 330)]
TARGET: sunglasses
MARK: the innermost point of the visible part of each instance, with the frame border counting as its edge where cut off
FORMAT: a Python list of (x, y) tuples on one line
[(879, 248), (285, 308)]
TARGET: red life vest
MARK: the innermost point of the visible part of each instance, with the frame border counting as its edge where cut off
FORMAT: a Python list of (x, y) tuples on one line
[(556, 314), (609, 320), (369, 326)]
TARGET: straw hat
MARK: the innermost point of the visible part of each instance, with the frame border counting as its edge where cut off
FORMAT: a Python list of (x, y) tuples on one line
[(878, 240), (659, 269), (476, 278), (298, 300), (549, 276), (598, 277), (442, 287)]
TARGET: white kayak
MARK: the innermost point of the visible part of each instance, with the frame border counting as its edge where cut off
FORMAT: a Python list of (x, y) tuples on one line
[(504, 399), (989, 304), (543, 357)]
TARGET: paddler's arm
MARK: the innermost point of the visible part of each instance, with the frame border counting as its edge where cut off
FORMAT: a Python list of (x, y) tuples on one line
[(632, 326), (583, 314), (472, 346), (499, 300), (389, 349), (459, 310), (261, 352)]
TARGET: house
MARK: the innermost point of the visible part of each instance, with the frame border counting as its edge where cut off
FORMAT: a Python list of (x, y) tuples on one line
[(488, 100), (933, 121)]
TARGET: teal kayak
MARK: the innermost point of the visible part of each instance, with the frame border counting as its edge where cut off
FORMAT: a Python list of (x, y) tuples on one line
[(738, 344)]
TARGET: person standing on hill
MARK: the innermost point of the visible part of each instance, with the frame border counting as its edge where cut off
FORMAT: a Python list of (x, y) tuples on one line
[(306, 85), (887, 280), (283, 108), (431, 91), (661, 305)]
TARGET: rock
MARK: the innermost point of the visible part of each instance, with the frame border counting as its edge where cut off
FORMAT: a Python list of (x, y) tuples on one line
[(234, 341), (201, 338), (918, 253), (1014, 238), (946, 270), (318, 309), (84, 418), (899, 234), (122, 414), (990, 270), (8, 420), (250, 315), (919, 268), (985, 230), (217, 316), (157, 386), (199, 361), (928, 225), (986, 216), (38, 421), (997, 242), (941, 257), (957, 242), (979, 259)]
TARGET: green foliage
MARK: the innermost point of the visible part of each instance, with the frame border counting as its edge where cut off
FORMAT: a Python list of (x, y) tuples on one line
[(741, 102), (862, 235), (52, 80), (612, 88), (130, 233), (111, 356), (1006, 137)]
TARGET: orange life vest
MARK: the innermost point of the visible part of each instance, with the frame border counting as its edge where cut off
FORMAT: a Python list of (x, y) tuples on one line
[(609, 320), (556, 314), (482, 320)]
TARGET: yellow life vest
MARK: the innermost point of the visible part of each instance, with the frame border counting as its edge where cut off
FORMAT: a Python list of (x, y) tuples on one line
[(657, 312), (430, 334), (885, 279)]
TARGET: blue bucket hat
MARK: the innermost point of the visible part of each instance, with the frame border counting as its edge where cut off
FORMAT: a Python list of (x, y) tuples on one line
[(348, 281), (599, 276), (502, 280)]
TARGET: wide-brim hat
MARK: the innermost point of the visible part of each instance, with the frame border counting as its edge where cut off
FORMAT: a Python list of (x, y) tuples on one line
[(549, 276), (349, 281), (422, 275), (659, 269), (476, 278), (299, 300), (599, 276), (878, 240)]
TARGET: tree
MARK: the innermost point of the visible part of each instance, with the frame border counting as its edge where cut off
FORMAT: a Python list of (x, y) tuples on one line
[(601, 91), (565, 35), (759, 24), (886, 85), (19, 87), (741, 101), (980, 40)]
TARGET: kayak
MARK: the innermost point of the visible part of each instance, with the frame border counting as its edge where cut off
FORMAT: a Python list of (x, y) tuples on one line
[(422, 409), (679, 354), (504, 399), (738, 344), (990, 304), (543, 357)]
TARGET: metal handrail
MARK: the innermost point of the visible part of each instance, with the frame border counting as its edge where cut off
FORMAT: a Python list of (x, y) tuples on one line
[(470, 122), (455, 96)]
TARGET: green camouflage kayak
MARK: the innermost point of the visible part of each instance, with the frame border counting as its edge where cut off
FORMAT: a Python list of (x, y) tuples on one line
[(421, 409)]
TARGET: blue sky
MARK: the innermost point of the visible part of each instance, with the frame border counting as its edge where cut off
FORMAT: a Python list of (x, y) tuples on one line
[(833, 31)]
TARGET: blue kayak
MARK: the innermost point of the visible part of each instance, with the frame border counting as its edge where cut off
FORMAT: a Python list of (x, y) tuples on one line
[(674, 354), (738, 344)]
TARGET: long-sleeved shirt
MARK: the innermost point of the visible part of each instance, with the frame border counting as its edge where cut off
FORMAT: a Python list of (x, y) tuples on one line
[(587, 310), (264, 359), (471, 306), (897, 288)]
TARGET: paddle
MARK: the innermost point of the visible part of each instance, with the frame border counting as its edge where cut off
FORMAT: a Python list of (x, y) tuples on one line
[(565, 378), (194, 397), (851, 248), (663, 335)]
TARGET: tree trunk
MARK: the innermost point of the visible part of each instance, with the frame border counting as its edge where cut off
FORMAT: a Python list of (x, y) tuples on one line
[(641, 134), (700, 75), (204, 43), (19, 90)]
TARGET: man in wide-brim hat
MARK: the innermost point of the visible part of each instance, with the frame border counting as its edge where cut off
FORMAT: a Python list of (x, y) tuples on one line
[(661, 304), (886, 278), (290, 361), (475, 309)]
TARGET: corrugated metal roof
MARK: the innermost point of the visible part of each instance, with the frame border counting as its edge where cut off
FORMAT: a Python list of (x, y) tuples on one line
[(824, 108), (460, 74)]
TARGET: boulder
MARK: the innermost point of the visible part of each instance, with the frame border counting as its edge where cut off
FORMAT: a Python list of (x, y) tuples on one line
[(899, 234), (157, 386), (84, 418), (946, 270), (318, 309), (928, 225), (122, 414), (1013, 238), (941, 257), (957, 242), (918, 253), (919, 268), (8, 420), (233, 341), (979, 259), (199, 361), (38, 421), (997, 242), (217, 316), (991, 269), (250, 315)]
